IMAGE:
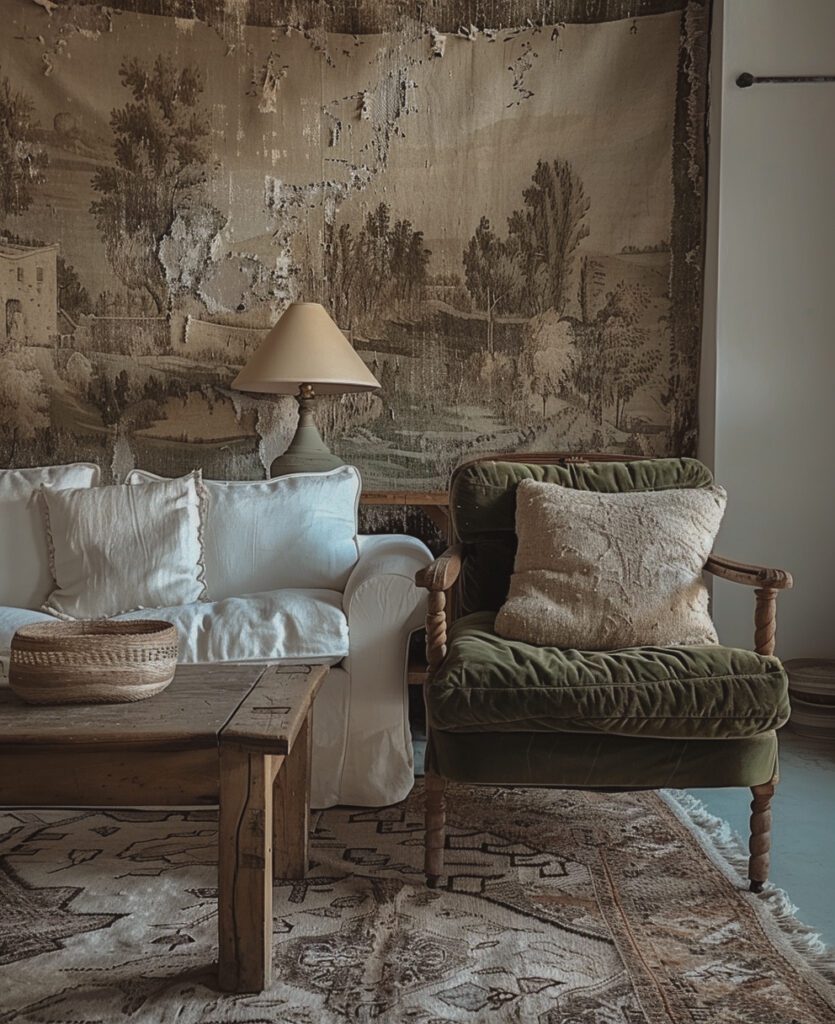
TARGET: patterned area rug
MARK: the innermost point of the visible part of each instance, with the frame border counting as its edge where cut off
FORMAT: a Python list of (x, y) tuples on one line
[(560, 908)]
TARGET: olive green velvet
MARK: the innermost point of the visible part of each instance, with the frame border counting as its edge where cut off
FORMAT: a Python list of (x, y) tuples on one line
[(483, 508), (504, 712), (600, 762), (489, 684)]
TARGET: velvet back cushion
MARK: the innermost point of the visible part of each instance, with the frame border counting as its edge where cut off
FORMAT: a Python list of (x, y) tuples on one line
[(601, 572), (116, 549), (482, 504)]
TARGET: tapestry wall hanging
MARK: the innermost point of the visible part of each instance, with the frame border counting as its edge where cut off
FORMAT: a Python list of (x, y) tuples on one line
[(502, 205)]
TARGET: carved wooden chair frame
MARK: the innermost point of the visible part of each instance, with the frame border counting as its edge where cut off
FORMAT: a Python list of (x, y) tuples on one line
[(440, 579)]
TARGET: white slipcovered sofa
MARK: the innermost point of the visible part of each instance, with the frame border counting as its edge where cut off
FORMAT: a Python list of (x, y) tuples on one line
[(326, 596)]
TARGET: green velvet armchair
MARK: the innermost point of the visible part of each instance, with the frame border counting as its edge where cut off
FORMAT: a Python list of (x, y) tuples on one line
[(501, 712)]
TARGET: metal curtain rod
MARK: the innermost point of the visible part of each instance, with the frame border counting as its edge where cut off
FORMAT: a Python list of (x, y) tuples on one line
[(746, 79)]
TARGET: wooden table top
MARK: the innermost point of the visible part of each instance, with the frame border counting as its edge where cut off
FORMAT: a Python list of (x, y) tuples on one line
[(254, 706), (440, 498)]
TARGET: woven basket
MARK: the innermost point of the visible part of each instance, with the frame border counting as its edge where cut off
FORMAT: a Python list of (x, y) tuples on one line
[(94, 662), (812, 696)]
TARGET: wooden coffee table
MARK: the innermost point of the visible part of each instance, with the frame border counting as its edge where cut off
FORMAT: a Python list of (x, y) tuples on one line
[(237, 735)]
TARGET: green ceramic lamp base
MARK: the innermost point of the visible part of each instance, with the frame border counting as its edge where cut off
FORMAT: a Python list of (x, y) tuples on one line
[(307, 452)]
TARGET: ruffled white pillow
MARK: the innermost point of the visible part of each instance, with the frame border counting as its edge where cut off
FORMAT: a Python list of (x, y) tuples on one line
[(297, 531), (25, 581), (118, 549)]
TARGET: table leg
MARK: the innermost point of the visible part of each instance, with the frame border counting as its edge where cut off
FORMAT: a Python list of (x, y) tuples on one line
[(291, 808), (245, 919)]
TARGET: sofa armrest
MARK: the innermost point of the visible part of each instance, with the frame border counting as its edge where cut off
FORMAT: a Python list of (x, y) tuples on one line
[(767, 583), (383, 608), (385, 555)]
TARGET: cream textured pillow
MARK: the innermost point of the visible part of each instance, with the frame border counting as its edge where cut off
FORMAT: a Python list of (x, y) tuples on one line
[(116, 549), (604, 571)]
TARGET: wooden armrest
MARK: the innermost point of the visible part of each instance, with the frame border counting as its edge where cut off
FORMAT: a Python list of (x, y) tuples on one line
[(443, 572), (438, 578), (749, 575), (767, 582)]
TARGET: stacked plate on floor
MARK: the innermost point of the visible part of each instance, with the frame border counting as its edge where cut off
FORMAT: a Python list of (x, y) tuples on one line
[(812, 696)]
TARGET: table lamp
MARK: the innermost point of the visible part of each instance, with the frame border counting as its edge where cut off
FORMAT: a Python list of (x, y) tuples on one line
[(305, 355)]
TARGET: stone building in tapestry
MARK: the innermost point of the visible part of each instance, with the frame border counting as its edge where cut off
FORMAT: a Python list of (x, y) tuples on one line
[(28, 294)]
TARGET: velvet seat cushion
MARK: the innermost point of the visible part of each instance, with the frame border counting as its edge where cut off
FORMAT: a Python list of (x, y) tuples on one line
[(489, 684), (599, 760)]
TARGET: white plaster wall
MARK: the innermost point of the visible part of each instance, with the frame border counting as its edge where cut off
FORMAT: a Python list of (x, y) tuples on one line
[(768, 372)]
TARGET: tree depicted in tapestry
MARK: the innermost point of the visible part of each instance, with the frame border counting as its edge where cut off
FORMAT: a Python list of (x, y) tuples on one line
[(506, 221)]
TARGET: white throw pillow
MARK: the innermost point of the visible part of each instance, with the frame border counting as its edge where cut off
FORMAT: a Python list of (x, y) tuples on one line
[(25, 580), (297, 531), (605, 571), (119, 548)]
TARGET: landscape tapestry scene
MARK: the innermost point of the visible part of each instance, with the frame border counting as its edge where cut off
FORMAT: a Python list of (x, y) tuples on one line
[(505, 217)]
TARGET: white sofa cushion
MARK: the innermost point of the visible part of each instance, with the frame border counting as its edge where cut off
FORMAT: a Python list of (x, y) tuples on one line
[(11, 619), (118, 548), (25, 580), (280, 625), (294, 531)]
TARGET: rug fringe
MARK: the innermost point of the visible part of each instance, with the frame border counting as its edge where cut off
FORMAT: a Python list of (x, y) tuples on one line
[(719, 838)]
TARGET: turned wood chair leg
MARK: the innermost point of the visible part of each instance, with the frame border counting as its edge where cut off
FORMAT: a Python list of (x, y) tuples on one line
[(760, 842), (435, 788)]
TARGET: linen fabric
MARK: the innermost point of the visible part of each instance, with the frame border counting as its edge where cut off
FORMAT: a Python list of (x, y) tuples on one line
[(11, 620), (489, 684), (25, 579), (118, 548), (482, 504), (384, 607), (307, 626), (605, 571), (278, 626), (296, 531)]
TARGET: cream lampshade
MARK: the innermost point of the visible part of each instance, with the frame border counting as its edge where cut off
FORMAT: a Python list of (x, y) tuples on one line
[(305, 354)]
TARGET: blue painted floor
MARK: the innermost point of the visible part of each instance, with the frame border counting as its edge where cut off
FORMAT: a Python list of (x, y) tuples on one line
[(803, 829)]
